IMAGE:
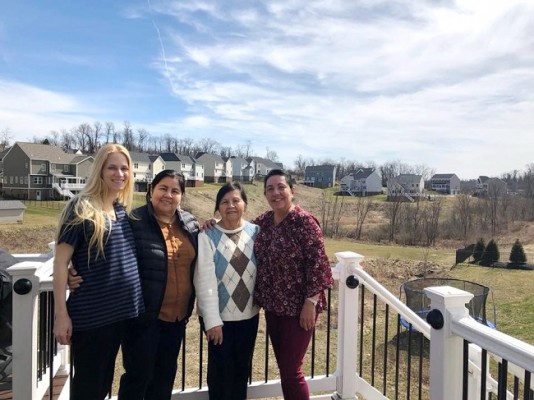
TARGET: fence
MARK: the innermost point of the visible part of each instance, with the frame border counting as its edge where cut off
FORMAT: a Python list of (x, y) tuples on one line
[(374, 355)]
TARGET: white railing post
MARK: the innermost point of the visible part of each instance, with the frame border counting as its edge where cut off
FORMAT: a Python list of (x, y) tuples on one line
[(446, 349), (347, 340), (25, 295)]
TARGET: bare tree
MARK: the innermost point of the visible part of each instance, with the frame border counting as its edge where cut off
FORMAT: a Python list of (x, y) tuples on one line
[(431, 221), (67, 141), (110, 132), (463, 212), (208, 145), (82, 134), (363, 205), (5, 138), (394, 210), (271, 155), (142, 136), (128, 136), (94, 140)]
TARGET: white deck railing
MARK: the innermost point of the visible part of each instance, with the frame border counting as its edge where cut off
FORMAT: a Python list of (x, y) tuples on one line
[(32, 277)]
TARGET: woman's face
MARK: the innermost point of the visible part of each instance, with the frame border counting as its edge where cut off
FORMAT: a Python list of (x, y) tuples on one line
[(166, 196), (116, 172), (279, 194), (232, 208)]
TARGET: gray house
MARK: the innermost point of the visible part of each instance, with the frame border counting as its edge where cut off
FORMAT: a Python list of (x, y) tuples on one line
[(242, 170), (263, 166), (362, 182), (407, 186), (43, 172), (320, 176), (11, 211), (445, 183), (216, 169), (192, 170), (487, 186)]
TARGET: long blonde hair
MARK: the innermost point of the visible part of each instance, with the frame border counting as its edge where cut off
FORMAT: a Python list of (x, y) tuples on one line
[(89, 204)]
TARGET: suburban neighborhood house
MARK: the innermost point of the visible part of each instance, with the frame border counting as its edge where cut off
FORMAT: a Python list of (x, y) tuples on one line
[(192, 170), (263, 166), (320, 176), (487, 186), (43, 172), (362, 182), (242, 170), (405, 185), (445, 183), (216, 170), (142, 170)]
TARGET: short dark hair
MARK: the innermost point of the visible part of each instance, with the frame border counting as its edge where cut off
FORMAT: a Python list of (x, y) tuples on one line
[(277, 172), (171, 173), (229, 187)]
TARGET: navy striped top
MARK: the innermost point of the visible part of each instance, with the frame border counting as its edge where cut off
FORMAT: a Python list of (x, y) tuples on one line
[(111, 290)]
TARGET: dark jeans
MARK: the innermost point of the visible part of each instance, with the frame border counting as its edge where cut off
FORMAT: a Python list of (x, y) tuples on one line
[(290, 343), (93, 357), (230, 363), (150, 352)]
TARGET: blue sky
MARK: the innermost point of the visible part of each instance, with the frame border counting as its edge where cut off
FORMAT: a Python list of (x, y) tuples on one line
[(445, 84)]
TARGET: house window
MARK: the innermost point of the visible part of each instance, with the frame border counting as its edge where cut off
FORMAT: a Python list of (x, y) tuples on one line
[(21, 180), (67, 168), (43, 167), (16, 180), (25, 180), (135, 174), (183, 165), (37, 180), (11, 180), (52, 167), (136, 165)]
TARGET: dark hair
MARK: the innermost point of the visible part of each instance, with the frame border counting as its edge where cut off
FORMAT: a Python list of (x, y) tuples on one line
[(171, 173), (277, 172), (229, 187)]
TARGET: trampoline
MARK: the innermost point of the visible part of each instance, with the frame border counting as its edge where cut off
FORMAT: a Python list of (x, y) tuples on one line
[(419, 302)]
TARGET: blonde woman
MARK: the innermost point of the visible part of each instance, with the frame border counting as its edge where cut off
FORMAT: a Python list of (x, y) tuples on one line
[(95, 236)]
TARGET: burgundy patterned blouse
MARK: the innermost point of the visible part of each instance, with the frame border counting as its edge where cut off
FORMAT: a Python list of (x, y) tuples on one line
[(292, 263)]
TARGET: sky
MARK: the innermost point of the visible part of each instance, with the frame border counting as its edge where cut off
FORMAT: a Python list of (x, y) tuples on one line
[(440, 83)]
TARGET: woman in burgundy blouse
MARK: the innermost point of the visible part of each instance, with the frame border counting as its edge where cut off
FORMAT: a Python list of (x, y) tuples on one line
[(293, 272)]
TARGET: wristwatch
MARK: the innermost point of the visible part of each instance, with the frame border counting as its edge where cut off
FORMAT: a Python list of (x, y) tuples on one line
[(312, 300)]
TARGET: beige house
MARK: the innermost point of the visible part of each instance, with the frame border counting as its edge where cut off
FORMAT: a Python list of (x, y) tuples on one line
[(43, 172)]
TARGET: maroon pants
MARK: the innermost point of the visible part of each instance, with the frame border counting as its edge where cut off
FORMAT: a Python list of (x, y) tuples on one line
[(290, 343)]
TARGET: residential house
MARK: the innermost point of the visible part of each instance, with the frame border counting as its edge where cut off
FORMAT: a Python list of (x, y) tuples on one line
[(242, 170), (487, 186), (216, 169), (192, 170), (445, 183), (42, 172), (156, 164), (142, 170), (263, 166), (405, 185), (362, 182), (320, 176)]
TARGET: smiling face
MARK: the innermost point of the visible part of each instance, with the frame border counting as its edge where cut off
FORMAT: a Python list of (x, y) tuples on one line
[(279, 194), (231, 208), (116, 173), (166, 196)]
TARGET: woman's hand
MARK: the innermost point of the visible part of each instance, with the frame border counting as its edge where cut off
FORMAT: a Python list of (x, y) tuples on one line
[(73, 279), (63, 329), (215, 334), (307, 316), (208, 224)]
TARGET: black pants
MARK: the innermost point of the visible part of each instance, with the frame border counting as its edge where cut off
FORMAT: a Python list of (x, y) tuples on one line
[(150, 352), (93, 354), (229, 363)]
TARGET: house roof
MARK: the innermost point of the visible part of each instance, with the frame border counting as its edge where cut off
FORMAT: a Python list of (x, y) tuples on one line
[(177, 157), (153, 157), (265, 161), (442, 176), (79, 158), (311, 169), (404, 179), (139, 157), (11, 205), (45, 152), (215, 157), (362, 173)]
